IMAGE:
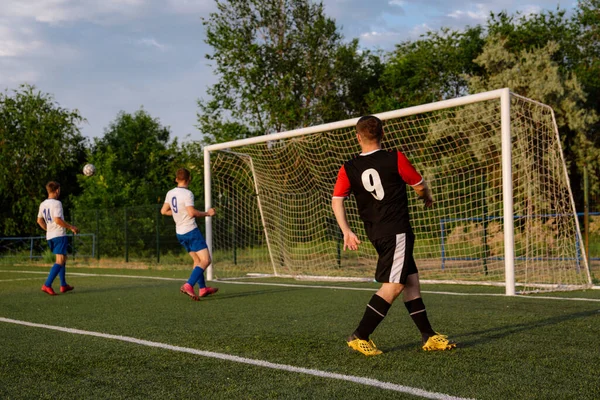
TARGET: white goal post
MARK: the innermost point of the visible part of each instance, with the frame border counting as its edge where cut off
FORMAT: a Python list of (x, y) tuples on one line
[(504, 212)]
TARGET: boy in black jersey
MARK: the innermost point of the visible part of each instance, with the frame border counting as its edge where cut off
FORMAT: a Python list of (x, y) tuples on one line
[(378, 180)]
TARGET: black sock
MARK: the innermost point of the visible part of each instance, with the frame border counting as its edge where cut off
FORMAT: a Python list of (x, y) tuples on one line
[(374, 313), (416, 309)]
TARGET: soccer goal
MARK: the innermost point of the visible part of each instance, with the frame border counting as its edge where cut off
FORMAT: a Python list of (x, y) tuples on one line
[(503, 215)]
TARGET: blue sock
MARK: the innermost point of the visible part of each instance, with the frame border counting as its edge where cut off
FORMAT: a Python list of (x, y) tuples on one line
[(61, 275), (201, 282), (197, 273), (53, 272)]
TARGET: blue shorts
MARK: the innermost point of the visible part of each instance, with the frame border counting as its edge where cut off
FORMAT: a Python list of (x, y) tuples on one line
[(59, 245), (193, 241)]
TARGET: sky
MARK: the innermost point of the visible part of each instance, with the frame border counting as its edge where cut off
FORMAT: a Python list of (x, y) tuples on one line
[(105, 56)]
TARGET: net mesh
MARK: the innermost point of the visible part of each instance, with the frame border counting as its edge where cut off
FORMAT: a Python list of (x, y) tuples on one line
[(275, 216)]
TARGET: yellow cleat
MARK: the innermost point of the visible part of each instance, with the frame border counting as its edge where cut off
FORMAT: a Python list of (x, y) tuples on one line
[(368, 348), (438, 342)]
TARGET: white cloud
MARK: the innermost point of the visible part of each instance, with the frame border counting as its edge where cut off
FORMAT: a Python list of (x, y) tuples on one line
[(398, 3), (60, 11), (478, 15), (13, 73), (192, 6), (357, 16), (531, 9), (380, 39), (16, 42), (151, 42)]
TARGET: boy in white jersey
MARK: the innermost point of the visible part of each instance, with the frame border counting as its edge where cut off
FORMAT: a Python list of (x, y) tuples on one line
[(179, 203), (51, 219)]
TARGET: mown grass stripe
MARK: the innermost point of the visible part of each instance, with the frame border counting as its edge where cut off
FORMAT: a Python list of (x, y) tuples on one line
[(259, 363)]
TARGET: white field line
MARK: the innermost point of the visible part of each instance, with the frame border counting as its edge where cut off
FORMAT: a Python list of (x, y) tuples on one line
[(229, 282), (19, 279), (103, 275), (259, 363)]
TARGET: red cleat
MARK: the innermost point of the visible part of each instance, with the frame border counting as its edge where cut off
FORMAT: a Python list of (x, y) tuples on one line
[(48, 290), (66, 288), (207, 291), (187, 289)]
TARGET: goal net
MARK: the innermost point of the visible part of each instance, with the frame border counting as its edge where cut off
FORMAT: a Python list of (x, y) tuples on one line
[(503, 211)]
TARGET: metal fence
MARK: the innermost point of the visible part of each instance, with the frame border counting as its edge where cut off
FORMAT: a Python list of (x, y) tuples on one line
[(34, 247), (142, 234), (131, 233)]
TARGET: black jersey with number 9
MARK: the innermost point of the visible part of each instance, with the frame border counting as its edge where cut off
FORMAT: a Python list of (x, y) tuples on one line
[(378, 181)]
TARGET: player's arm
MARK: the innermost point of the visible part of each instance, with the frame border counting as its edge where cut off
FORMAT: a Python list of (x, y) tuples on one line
[(424, 193), (166, 209), (342, 190), (410, 175), (62, 223), (42, 223), (192, 212), (351, 241)]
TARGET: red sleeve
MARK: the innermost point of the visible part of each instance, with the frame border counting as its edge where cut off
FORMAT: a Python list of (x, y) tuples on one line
[(342, 185), (408, 173)]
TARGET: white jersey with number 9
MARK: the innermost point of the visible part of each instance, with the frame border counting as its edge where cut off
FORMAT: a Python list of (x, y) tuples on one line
[(179, 199)]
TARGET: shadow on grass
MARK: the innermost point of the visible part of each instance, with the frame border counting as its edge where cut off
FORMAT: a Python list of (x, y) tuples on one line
[(221, 295), (149, 285), (104, 289), (489, 335)]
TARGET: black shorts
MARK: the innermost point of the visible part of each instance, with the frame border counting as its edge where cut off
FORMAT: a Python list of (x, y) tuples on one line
[(396, 260)]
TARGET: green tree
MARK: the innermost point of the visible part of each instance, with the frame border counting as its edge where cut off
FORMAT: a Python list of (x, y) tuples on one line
[(576, 55), (282, 64), (533, 31), (587, 20), (534, 74), (134, 163), (39, 141), (430, 69)]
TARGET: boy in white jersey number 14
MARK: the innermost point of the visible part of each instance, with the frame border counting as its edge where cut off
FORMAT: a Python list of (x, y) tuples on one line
[(179, 202), (51, 219)]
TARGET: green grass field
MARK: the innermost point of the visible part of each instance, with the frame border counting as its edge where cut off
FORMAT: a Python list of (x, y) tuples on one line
[(284, 339)]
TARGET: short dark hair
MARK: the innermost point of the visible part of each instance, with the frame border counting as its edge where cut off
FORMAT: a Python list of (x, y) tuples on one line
[(370, 128), (52, 186), (182, 174)]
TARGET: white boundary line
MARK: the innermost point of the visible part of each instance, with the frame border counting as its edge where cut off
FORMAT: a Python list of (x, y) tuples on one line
[(533, 297), (259, 363)]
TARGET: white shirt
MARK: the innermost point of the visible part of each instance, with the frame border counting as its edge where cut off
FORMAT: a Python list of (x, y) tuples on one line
[(50, 209), (179, 199)]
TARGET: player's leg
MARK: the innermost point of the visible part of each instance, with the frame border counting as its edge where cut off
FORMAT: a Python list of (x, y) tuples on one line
[(415, 306), (377, 309), (380, 302), (56, 249), (204, 261), (62, 244), (197, 275), (375, 312), (416, 309), (188, 287), (64, 286), (199, 252)]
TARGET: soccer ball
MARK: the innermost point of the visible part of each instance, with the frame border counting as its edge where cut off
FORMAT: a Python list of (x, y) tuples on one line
[(89, 170)]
